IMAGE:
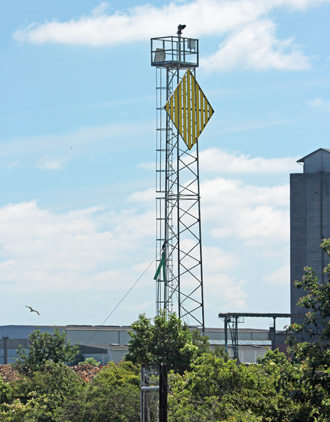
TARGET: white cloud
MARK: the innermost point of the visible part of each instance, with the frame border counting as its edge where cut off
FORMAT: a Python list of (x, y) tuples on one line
[(228, 291), (218, 260), (44, 150), (148, 166), (232, 208), (88, 248), (319, 103), (222, 288), (52, 164), (263, 222), (142, 22), (249, 221), (256, 47), (139, 307), (251, 41), (93, 248), (100, 9), (254, 214), (219, 161), (299, 4), (145, 196), (279, 276)]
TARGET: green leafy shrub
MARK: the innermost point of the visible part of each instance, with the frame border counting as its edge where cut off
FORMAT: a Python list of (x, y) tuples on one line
[(90, 361), (6, 392), (44, 347), (167, 341)]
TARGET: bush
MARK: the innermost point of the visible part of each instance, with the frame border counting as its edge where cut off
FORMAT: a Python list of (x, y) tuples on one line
[(44, 347), (90, 361)]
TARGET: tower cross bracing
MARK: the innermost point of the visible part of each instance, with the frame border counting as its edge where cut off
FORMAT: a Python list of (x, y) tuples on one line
[(182, 112)]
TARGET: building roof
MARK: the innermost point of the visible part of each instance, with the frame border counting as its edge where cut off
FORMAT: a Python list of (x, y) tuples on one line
[(97, 327), (253, 343), (302, 160)]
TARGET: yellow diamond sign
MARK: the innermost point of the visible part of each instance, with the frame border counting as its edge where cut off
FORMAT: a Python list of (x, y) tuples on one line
[(189, 109)]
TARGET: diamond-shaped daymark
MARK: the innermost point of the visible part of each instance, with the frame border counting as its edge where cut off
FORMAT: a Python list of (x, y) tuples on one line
[(189, 109)]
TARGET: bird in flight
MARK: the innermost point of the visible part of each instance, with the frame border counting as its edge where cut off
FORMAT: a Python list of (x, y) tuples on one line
[(32, 310)]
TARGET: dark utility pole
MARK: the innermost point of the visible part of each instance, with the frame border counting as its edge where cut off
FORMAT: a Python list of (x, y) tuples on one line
[(163, 393), (226, 334)]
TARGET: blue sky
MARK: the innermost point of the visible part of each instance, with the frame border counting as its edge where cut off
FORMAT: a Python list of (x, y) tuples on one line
[(77, 119)]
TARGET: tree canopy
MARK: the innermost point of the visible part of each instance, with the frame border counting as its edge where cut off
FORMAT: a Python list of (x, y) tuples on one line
[(44, 347), (166, 340), (314, 354)]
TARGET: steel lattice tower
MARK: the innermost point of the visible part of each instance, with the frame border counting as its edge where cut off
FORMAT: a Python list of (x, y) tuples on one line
[(179, 278)]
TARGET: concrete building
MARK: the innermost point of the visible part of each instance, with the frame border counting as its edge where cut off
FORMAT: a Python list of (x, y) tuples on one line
[(310, 220), (110, 343)]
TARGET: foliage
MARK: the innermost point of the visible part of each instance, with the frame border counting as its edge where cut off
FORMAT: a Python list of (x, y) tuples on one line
[(113, 395), (114, 404), (316, 323), (44, 347), (219, 390), (6, 391), (34, 409), (41, 395), (219, 352), (90, 361), (201, 341), (115, 375), (56, 394), (167, 341), (313, 356), (57, 382)]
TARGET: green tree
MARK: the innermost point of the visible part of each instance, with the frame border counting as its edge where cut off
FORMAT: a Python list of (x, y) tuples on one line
[(313, 356), (89, 361), (316, 323), (217, 389), (44, 347), (167, 340), (56, 394), (43, 394), (112, 396), (33, 410), (6, 391)]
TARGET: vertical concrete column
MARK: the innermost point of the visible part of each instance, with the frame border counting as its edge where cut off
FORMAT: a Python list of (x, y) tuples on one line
[(5, 350)]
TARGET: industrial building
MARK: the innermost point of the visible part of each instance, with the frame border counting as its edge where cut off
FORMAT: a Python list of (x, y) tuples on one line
[(309, 221), (110, 343)]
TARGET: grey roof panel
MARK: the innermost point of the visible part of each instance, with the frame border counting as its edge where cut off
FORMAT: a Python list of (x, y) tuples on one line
[(301, 160), (257, 343)]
